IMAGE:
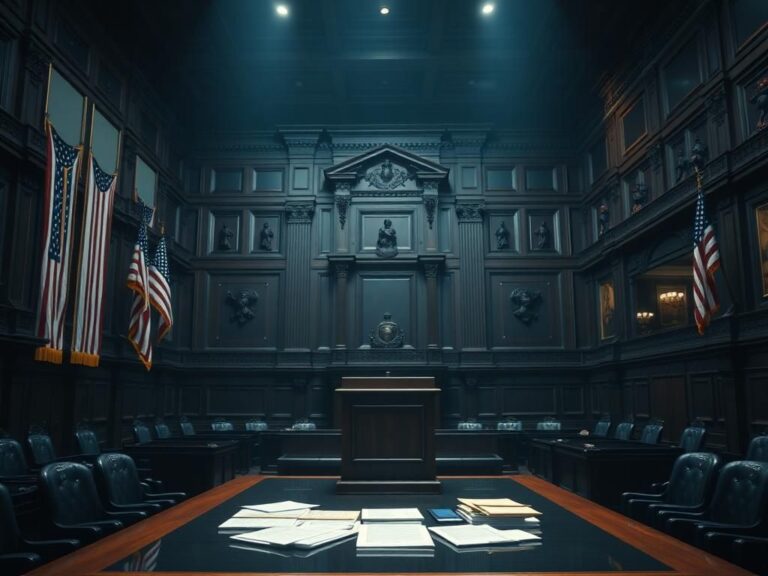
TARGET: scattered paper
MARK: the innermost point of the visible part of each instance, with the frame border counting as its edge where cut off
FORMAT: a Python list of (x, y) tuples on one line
[(280, 506), (394, 535), (391, 515)]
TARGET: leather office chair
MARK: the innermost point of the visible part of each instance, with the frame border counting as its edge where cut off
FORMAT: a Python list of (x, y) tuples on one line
[(256, 425), (758, 449), (89, 446), (749, 552), (739, 505), (624, 431), (14, 471), (509, 424), (162, 430), (548, 424), (689, 489), (141, 432), (74, 504), (41, 449), (602, 427), (87, 442), (122, 490), (652, 433), (18, 555), (187, 429), (692, 438), (222, 425)]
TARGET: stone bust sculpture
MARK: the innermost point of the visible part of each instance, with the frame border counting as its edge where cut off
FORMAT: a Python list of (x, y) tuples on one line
[(502, 237), (386, 245), (265, 241), (225, 238), (542, 236)]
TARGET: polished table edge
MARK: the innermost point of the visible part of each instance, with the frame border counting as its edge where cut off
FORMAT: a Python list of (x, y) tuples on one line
[(395, 573), (115, 547), (685, 560), (676, 554)]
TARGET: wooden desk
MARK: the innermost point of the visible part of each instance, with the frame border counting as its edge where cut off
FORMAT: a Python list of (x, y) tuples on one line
[(192, 467), (681, 558), (602, 469)]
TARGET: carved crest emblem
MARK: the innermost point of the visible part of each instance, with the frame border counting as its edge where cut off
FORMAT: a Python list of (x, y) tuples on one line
[(386, 176), (527, 303), (243, 306), (387, 334)]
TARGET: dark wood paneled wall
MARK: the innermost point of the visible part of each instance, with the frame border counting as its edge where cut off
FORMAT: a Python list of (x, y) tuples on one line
[(508, 323)]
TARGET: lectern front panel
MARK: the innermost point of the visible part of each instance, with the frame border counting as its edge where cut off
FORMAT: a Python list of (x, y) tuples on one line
[(388, 435)]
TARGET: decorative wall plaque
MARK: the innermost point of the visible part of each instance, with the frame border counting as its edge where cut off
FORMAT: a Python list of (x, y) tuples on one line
[(387, 334), (386, 176), (527, 303), (243, 306)]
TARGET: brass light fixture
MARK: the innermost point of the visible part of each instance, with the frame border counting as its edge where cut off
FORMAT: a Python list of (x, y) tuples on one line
[(644, 320)]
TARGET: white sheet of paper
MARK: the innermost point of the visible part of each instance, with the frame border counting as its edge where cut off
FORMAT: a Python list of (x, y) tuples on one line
[(306, 537), (248, 513), (469, 535), (394, 535), (253, 523), (391, 515), (280, 506)]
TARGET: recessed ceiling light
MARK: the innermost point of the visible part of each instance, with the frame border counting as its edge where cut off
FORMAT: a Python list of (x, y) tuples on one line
[(282, 10), (384, 10), (488, 8)]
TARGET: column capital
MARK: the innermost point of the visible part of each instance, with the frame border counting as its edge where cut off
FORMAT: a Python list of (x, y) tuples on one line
[(470, 211), (299, 212)]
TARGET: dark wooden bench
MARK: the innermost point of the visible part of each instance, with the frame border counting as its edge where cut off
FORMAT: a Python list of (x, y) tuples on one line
[(319, 452)]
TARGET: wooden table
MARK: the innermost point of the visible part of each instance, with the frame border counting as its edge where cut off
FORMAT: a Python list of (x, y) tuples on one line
[(681, 558)]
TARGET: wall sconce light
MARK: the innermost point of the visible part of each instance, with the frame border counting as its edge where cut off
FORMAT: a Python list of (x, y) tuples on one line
[(672, 298), (644, 320)]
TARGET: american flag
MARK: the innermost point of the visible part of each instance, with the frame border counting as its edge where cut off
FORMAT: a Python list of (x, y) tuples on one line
[(706, 260), (160, 289), (89, 303), (61, 173), (140, 323)]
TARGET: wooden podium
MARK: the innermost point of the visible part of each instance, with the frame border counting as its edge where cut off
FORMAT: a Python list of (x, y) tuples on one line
[(388, 435)]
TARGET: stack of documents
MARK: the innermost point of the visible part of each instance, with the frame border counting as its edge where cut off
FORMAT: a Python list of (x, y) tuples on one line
[(484, 538), (392, 515), (297, 536), (288, 514), (391, 538), (499, 513)]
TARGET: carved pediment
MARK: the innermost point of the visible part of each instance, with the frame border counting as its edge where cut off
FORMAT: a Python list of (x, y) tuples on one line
[(386, 170)]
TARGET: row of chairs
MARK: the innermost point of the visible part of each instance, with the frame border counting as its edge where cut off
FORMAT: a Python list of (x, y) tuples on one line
[(720, 508), (142, 433), (82, 504)]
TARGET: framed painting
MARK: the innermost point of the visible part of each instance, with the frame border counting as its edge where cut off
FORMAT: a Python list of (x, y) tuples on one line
[(761, 214), (607, 310)]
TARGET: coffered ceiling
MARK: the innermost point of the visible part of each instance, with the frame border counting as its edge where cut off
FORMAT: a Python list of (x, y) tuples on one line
[(237, 65)]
